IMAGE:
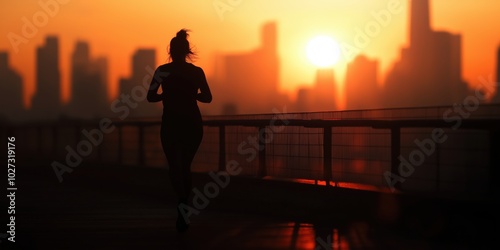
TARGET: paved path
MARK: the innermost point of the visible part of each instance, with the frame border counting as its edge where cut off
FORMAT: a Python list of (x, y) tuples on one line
[(133, 208)]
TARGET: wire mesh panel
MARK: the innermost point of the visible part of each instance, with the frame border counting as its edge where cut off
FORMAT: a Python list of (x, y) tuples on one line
[(207, 157), (153, 151), (361, 155), (347, 147), (66, 136), (109, 149), (130, 145), (458, 163), (296, 152), (242, 148), (27, 140)]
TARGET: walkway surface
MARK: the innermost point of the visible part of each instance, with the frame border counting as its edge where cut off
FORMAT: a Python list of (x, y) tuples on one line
[(101, 207)]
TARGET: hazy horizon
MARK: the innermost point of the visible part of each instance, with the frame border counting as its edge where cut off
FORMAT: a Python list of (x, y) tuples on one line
[(115, 30)]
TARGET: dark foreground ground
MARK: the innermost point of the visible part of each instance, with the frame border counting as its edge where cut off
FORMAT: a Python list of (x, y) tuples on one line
[(101, 207)]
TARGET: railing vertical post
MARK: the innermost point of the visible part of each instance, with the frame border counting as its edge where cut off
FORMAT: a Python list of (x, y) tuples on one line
[(120, 144), (142, 151), (77, 135), (327, 154), (438, 166), (494, 162), (55, 138), (262, 135), (222, 148), (39, 131), (99, 149), (395, 152)]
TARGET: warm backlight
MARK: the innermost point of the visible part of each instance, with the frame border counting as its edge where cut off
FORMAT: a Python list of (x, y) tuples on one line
[(323, 51)]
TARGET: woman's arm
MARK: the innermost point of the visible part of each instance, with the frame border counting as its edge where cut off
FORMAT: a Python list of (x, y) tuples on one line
[(153, 95), (205, 94)]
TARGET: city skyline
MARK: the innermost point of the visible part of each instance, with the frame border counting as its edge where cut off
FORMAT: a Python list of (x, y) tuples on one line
[(89, 82), (429, 71), (496, 98), (10, 89), (212, 36), (46, 103), (89, 76), (430, 66)]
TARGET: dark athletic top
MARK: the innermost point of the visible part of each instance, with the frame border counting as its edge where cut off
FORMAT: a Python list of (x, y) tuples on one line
[(180, 83)]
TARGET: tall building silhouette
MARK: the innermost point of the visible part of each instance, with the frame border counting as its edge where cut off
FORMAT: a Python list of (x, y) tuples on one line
[(496, 98), (361, 87), (11, 91), (88, 84), (46, 102), (429, 71), (143, 61), (303, 102), (252, 78), (323, 91), (420, 26)]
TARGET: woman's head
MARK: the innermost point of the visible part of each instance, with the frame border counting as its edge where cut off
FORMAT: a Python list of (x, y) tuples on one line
[(179, 47)]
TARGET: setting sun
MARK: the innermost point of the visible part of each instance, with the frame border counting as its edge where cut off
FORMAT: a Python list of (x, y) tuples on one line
[(323, 51)]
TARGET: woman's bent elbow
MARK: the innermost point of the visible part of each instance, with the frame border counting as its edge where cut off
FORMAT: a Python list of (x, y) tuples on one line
[(204, 98), (152, 98)]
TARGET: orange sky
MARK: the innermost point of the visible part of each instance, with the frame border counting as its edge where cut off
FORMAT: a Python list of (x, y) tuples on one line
[(116, 28)]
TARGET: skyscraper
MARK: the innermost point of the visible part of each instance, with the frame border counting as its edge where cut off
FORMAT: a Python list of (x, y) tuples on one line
[(11, 91), (362, 91), (429, 72), (498, 64), (88, 79), (252, 78), (46, 103), (143, 62), (323, 92), (496, 98), (303, 102), (420, 27)]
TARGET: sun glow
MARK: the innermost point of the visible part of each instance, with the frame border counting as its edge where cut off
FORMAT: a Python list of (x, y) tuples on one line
[(323, 51)]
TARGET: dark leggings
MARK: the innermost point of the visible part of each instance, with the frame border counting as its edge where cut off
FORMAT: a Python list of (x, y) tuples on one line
[(180, 143)]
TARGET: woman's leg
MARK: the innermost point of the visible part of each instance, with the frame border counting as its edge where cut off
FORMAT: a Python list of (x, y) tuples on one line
[(173, 154), (188, 154)]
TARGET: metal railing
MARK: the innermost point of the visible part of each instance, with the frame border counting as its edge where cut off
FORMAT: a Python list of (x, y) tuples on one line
[(360, 147)]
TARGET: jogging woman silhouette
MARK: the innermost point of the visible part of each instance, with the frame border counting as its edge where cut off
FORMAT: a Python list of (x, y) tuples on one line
[(183, 84)]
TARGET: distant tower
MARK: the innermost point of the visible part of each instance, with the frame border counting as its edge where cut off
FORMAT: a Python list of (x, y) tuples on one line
[(361, 85), (46, 104), (304, 100), (142, 59), (324, 91), (11, 91), (143, 62), (269, 59), (80, 60), (498, 65), (429, 72), (420, 28), (101, 65), (268, 38), (496, 98), (88, 79), (252, 78)]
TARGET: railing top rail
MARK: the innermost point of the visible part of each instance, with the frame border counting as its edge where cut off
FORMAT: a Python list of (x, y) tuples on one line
[(310, 123), (322, 123)]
